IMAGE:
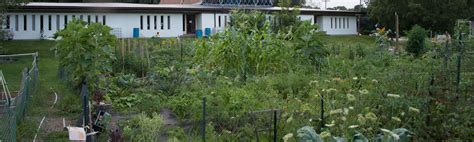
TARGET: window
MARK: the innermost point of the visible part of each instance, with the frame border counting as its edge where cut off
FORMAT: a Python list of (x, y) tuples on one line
[(88, 19), (41, 23), (33, 22), (162, 23), (184, 23), (219, 21), (141, 22), (169, 22), (103, 20), (57, 23), (344, 23), (97, 18), (16, 23), (347, 23), (24, 23), (225, 21), (331, 23), (65, 21), (49, 23), (339, 22), (154, 22), (8, 22), (81, 17), (148, 22)]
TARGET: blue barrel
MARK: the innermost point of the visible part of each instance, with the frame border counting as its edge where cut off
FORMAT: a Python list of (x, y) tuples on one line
[(136, 32), (207, 31), (199, 33)]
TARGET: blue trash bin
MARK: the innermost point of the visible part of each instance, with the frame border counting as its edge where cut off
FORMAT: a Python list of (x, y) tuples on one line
[(207, 32), (199, 33), (136, 32)]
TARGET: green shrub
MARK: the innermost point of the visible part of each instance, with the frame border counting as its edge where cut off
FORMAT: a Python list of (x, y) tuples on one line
[(416, 41), (143, 128), (85, 50)]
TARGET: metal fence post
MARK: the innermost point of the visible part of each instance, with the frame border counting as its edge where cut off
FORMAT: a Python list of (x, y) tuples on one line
[(275, 125), (321, 125)]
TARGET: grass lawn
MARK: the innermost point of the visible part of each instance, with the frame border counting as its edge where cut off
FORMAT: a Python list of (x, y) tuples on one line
[(48, 82)]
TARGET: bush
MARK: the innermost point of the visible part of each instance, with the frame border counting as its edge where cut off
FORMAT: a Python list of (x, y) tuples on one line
[(416, 41), (85, 50)]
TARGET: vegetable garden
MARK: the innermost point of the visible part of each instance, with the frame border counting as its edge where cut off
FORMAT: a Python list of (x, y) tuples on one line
[(265, 79)]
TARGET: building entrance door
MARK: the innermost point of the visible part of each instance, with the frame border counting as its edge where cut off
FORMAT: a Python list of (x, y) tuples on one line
[(190, 24)]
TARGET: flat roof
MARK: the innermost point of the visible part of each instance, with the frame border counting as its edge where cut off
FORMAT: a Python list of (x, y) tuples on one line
[(151, 8)]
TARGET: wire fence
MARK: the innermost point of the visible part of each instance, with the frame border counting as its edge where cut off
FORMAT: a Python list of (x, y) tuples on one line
[(13, 107)]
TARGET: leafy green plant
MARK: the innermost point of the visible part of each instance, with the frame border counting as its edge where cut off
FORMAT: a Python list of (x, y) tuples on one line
[(416, 41), (85, 51), (143, 127)]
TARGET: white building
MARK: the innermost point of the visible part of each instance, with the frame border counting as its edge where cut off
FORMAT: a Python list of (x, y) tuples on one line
[(35, 20)]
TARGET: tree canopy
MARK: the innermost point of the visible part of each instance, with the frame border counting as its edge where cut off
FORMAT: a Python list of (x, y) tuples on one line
[(436, 15)]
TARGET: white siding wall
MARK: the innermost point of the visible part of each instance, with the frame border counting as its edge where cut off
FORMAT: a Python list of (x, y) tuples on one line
[(207, 21), (124, 22), (338, 25), (307, 17)]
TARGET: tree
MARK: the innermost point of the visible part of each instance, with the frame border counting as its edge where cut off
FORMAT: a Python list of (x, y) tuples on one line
[(436, 15), (340, 8), (416, 41)]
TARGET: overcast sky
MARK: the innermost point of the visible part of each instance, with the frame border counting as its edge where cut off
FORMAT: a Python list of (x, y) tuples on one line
[(333, 3)]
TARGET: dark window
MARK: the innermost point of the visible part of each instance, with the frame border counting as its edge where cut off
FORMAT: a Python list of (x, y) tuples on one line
[(184, 23), (16, 23), (148, 22), (169, 23), (162, 23), (103, 20), (41, 23), (331, 23), (8, 22), (88, 19), (65, 21), (57, 23), (97, 18), (141, 22), (33, 22), (344, 23), (24, 23), (225, 21), (81, 17), (347, 22), (154, 22), (339, 22), (49, 23), (219, 21)]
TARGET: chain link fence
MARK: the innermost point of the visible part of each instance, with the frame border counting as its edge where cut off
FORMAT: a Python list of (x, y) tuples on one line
[(13, 107)]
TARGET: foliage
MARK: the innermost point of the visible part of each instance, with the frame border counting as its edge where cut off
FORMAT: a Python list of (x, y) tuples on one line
[(252, 49), (416, 41), (286, 18), (439, 15), (143, 127), (85, 51)]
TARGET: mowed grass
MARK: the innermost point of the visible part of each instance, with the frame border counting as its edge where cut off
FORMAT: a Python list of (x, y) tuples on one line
[(48, 82), (349, 41)]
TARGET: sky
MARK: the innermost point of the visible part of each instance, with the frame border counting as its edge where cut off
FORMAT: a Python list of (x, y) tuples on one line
[(334, 3)]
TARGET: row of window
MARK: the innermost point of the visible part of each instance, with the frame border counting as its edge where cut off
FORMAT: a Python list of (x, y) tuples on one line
[(155, 22), (340, 23), (49, 19)]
